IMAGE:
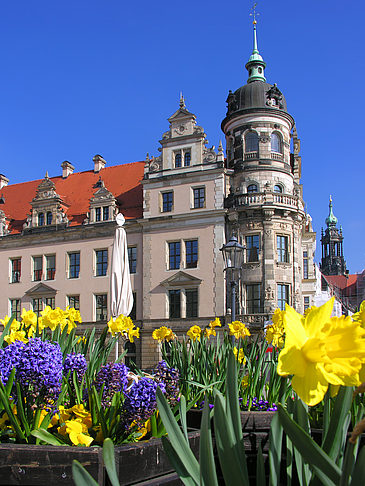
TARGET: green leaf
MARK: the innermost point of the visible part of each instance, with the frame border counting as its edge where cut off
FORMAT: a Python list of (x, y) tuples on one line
[(358, 475), (275, 448), (260, 469), (177, 464), (80, 476), (46, 437), (14, 422), (109, 461), (9, 383), (327, 471), (208, 475), (348, 464), (182, 413), (20, 410), (177, 438)]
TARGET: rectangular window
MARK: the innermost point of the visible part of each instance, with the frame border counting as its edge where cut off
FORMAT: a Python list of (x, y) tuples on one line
[(305, 264), (50, 301), (101, 311), (101, 260), (73, 301), (174, 304), (105, 213), (253, 299), (191, 303), (97, 214), (282, 248), (16, 270), (167, 201), (15, 308), (253, 248), (37, 268), (37, 306), (74, 265), (174, 255), (306, 303), (50, 267), (199, 197), (132, 258), (191, 253), (283, 296)]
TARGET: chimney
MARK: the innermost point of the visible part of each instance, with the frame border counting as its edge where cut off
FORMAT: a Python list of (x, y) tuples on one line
[(67, 169), (4, 181), (99, 163)]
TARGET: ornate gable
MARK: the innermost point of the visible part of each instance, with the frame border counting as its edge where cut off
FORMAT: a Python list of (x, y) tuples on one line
[(103, 205)]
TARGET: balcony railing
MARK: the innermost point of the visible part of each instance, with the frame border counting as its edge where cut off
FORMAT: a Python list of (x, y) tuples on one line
[(251, 155), (277, 156), (268, 199)]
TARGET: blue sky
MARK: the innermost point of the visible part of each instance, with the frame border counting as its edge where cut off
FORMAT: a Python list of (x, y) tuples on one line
[(80, 78)]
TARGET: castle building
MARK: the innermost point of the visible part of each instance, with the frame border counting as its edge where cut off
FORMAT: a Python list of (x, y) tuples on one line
[(180, 207)]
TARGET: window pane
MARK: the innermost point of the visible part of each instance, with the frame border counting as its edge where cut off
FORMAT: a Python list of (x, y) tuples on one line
[(37, 268), (187, 159), (278, 189), (251, 142), (283, 296), (105, 213), (74, 301), (16, 270), (174, 255), (132, 258), (199, 197), (101, 262), (97, 214), (49, 218), (191, 303), (51, 267), (252, 248), (252, 188), (178, 160), (101, 307), (37, 306), (74, 265), (191, 249), (275, 143), (50, 301), (282, 248), (174, 304), (15, 308), (41, 219), (167, 201), (253, 299), (305, 264)]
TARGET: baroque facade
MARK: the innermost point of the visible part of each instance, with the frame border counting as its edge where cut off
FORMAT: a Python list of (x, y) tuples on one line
[(180, 208)]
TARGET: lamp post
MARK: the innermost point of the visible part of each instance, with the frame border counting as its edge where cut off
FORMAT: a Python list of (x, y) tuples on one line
[(233, 253)]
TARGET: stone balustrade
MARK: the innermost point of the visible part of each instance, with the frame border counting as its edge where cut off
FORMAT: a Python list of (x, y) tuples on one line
[(269, 199)]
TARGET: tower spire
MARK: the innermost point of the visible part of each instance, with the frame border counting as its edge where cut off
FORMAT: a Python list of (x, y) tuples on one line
[(331, 220), (255, 65)]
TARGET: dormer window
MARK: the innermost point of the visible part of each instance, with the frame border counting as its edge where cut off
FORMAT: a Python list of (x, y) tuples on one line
[(102, 205), (251, 142), (252, 188), (49, 218), (177, 160), (276, 143), (105, 213), (187, 159), (97, 214), (41, 219)]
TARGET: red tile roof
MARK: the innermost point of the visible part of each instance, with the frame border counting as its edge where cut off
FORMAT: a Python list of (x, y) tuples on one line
[(340, 281), (124, 181)]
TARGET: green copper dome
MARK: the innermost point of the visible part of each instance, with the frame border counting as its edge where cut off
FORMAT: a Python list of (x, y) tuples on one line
[(331, 220)]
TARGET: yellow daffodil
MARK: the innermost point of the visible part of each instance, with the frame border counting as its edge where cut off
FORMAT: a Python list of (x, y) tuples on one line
[(14, 326), (16, 336), (29, 318), (215, 323), (163, 334), (210, 331), (64, 413), (360, 316), (132, 333), (238, 329), (275, 333), (245, 382), (76, 431), (240, 356), (321, 350), (194, 333), (73, 315)]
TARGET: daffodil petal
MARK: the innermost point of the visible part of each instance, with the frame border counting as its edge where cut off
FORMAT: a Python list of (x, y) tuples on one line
[(295, 334), (318, 315), (311, 387), (291, 362)]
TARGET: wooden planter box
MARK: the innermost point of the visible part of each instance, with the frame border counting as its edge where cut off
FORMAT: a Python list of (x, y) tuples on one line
[(141, 463)]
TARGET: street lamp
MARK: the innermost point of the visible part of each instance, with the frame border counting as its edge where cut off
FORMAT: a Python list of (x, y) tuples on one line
[(233, 253)]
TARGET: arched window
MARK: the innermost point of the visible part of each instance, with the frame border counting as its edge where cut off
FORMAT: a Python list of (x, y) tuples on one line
[(276, 143), (278, 188), (49, 217), (41, 219), (187, 159), (252, 188), (178, 160), (251, 142)]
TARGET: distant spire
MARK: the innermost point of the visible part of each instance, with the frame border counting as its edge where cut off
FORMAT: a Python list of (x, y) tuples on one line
[(331, 220), (46, 175), (182, 101), (255, 65)]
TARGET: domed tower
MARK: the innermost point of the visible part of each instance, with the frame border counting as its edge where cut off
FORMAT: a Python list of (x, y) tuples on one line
[(265, 205), (333, 262)]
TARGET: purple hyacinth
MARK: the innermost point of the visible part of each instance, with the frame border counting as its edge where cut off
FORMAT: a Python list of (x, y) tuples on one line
[(140, 401), (9, 358), (261, 405), (38, 370), (168, 378), (114, 377), (75, 362)]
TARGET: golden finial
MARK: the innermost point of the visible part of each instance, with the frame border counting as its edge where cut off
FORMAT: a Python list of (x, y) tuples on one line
[(254, 13)]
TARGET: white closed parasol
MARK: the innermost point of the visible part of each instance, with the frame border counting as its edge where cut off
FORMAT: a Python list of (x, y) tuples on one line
[(121, 296)]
